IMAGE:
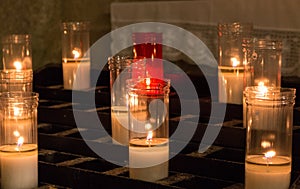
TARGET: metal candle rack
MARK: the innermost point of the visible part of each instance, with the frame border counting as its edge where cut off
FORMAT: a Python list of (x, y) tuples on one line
[(65, 161)]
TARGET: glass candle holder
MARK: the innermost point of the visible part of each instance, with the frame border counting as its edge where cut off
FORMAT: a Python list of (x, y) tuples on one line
[(16, 51), (231, 78), (17, 72), (120, 71), (75, 55), (148, 45), (269, 121), (18, 147), (149, 128), (262, 58)]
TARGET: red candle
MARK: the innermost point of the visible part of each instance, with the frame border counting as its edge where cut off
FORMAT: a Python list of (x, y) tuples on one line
[(148, 46)]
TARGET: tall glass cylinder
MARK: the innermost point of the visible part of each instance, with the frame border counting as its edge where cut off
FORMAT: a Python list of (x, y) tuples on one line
[(75, 55), (149, 128), (269, 121), (18, 142), (17, 63), (231, 68), (262, 58), (148, 45), (120, 71)]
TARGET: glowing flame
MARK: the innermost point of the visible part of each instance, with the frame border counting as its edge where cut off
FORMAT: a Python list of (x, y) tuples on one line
[(18, 65), (16, 111), (76, 53), (270, 154), (20, 143), (235, 62), (148, 81), (149, 137), (262, 88)]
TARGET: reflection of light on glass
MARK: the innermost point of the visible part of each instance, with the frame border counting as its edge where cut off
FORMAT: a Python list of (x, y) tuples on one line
[(76, 53), (18, 65), (234, 61), (148, 126), (265, 144), (16, 133), (148, 82)]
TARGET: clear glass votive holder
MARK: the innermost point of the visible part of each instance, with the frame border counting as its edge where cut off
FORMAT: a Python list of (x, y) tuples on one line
[(269, 125), (120, 71), (149, 128), (75, 55), (16, 49), (231, 68), (18, 142)]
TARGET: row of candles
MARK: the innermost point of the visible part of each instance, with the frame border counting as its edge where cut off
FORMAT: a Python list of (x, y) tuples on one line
[(250, 74), (18, 109)]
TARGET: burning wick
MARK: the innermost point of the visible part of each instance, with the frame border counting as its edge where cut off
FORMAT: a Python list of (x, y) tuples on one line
[(20, 143), (235, 62), (76, 53), (262, 88), (18, 65), (149, 137), (269, 155)]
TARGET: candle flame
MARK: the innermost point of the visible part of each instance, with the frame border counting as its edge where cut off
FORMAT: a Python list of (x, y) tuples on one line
[(16, 111), (262, 88), (18, 65), (76, 53), (20, 143), (235, 62), (148, 81), (149, 137), (270, 154)]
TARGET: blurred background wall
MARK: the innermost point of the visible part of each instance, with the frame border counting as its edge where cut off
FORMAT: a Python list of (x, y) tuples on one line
[(41, 19)]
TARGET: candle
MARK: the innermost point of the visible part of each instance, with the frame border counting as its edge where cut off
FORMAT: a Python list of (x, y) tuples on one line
[(272, 172), (79, 70), (148, 46), (232, 81), (119, 123), (19, 169), (148, 158)]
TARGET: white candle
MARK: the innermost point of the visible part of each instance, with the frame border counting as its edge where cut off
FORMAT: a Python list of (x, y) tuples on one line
[(232, 80), (119, 123), (76, 70), (19, 169), (267, 173), (148, 162)]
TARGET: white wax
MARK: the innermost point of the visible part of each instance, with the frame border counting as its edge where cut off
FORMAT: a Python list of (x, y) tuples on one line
[(19, 170), (76, 71), (149, 163), (233, 82), (276, 175), (119, 124)]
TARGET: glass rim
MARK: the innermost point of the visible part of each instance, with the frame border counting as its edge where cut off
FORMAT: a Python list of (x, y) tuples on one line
[(15, 95), (156, 86), (270, 93), (235, 27), (75, 25), (16, 38), (262, 43)]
